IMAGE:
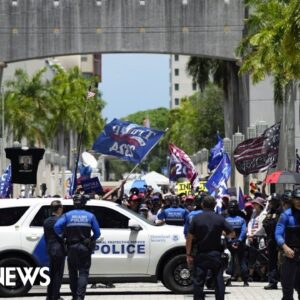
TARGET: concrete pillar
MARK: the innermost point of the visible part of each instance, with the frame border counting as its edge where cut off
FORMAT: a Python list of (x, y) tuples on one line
[(47, 171), (63, 163), (204, 160), (56, 174), (238, 180)]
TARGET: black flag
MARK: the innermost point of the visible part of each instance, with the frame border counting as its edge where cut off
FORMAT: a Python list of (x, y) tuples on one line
[(258, 154)]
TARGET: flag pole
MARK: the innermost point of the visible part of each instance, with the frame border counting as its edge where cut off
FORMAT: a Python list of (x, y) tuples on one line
[(79, 143)]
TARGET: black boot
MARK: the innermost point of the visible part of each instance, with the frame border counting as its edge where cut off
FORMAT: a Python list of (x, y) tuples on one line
[(271, 286)]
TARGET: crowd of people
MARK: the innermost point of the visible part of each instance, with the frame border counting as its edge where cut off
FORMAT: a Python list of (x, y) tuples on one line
[(257, 253)]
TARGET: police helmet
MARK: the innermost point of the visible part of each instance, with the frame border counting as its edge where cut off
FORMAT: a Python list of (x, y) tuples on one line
[(286, 196), (174, 200), (80, 200), (296, 192), (199, 198), (275, 198), (233, 207)]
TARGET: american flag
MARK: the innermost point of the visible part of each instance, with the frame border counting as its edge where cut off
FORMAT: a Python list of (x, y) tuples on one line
[(90, 94), (258, 154)]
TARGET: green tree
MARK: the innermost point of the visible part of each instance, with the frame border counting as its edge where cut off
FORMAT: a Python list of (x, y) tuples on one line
[(27, 106), (68, 91), (266, 50), (195, 124)]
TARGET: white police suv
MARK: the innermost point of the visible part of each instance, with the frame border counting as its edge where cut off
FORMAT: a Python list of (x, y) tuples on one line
[(130, 248)]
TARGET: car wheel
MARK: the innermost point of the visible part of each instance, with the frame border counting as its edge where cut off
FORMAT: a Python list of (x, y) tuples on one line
[(18, 289), (177, 276)]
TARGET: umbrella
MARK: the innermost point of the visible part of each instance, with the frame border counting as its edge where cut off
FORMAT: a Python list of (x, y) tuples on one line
[(283, 177), (157, 178), (140, 184)]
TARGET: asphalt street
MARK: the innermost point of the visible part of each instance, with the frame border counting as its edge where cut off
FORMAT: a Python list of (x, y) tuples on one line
[(151, 291)]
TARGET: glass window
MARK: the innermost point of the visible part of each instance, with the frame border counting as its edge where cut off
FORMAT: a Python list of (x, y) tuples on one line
[(176, 57), (84, 58), (176, 101), (44, 213), (176, 86), (176, 71), (109, 218), (11, 215)]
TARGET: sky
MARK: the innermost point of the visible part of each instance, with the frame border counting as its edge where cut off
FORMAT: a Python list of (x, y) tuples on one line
[(134, 82)]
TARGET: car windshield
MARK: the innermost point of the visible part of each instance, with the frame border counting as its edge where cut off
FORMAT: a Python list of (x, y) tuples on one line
[(137, 215)]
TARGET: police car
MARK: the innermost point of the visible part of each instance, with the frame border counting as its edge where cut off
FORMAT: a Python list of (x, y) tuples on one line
[(130, 248)]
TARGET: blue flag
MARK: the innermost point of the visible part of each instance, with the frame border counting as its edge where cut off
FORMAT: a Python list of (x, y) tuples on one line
[(127, 140), (220, 175), (216, 154), (5, 183)]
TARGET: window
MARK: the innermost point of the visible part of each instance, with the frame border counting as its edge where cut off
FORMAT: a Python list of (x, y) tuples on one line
[(176, 57), (176, 71), (176, 86), (84, 58), (11, 215), (194, 86), (177, 101), (109, 218), (44, 213)]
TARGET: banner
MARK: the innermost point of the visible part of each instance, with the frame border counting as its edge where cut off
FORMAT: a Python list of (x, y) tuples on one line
[(258, 154), (181, 165), (127, 140), (218, 179), (183, 188), (216, 154), (91, 186)]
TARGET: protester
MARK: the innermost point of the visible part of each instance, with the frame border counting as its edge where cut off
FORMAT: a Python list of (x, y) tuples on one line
[(205, 233), (287, 234)]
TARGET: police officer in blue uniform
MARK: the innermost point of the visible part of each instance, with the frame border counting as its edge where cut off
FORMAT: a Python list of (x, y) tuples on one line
[(237, 246), (174, 215), (76, 226), (55, 251), (197, 210), (287, 235)]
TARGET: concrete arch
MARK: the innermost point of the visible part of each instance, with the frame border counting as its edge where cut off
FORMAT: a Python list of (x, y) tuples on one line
[(33, 29)]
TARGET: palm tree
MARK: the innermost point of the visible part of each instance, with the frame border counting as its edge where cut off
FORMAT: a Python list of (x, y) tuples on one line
[(26, 106), (266, 50), (68, 90)]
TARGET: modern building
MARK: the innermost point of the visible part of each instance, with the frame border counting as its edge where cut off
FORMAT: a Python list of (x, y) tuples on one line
[(181, 84)]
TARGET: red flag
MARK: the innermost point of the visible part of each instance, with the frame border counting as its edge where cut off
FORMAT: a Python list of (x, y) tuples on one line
[(181, 162)]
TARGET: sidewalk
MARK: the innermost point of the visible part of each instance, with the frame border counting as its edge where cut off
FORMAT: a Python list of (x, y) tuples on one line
[(149, 291)]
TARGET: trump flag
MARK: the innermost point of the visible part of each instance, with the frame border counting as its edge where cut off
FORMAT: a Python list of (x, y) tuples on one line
[(127, 140)]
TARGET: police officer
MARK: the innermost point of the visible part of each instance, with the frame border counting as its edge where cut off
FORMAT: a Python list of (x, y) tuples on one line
[(174, 215), (197, 210), (77, 225), (269, 223), (287, 235), (237, 246), (205, 231), (55, 251)]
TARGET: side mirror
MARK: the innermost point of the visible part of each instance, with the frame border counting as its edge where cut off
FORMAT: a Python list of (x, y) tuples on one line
[(134, 225)]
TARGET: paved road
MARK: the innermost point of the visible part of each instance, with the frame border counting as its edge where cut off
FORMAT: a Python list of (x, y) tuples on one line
[(149, 291)]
